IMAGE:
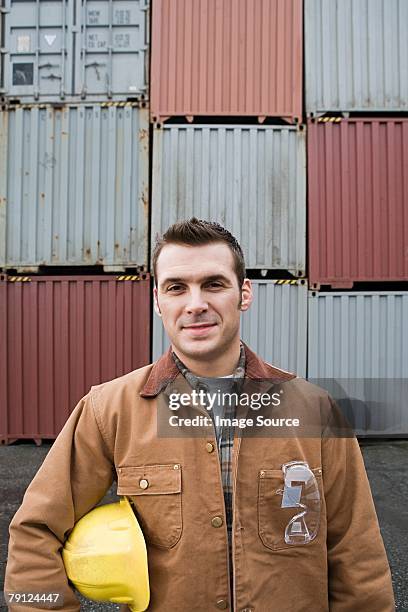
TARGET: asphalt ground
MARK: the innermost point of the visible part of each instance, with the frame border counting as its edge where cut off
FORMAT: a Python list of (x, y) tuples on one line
[(387, 468)]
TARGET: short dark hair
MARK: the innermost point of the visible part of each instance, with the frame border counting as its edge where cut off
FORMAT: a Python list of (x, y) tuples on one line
[(199, 232)]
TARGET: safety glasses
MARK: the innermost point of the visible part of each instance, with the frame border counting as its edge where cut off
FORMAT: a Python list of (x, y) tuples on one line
[(301, 491)]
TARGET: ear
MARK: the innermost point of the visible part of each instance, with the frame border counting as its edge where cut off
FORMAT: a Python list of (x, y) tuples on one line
[(156, 302), (246, 294)]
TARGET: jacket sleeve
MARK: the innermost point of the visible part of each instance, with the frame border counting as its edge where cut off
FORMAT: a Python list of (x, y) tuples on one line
[(74, 477), (359, 574)]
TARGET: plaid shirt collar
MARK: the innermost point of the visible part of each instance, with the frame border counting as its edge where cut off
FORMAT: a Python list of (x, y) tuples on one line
[(194, 381), (164, 371)]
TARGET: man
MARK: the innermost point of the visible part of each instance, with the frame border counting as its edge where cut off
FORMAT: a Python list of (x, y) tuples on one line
[(225, 525)]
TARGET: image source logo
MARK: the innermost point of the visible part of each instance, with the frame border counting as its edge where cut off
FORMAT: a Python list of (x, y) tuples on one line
[(262, 408)]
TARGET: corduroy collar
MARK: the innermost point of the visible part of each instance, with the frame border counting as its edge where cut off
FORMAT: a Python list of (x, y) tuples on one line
[(164, 371)]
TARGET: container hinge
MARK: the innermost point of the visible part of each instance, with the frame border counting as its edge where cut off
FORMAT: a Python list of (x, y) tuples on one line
[(95, 65), (49, 65), (52, 77)]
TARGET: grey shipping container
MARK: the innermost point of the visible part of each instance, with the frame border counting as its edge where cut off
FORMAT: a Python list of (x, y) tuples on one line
[(74, 186), (356, 55), (275, 326), (358, 351), (250, 179), (75, 50)]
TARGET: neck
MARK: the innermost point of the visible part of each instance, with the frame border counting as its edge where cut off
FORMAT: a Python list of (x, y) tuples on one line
[(213, 366)]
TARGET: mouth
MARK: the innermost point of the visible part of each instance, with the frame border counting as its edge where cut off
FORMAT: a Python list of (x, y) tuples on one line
[(197, 329)]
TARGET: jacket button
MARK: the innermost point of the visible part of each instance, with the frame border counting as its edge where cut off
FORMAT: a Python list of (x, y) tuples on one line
[(222, 604), (217, 521), (209, 447), (143, 483)]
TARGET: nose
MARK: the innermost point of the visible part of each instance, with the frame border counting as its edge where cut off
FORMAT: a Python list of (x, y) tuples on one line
[(196, 303)]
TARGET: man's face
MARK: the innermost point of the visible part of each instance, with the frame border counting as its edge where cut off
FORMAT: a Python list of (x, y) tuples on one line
[(199, 299)]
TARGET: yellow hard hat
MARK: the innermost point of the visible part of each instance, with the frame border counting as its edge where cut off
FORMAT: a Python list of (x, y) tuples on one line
[(105, 556)]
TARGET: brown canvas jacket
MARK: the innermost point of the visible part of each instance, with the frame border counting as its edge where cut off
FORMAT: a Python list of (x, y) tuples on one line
[(112, 434)]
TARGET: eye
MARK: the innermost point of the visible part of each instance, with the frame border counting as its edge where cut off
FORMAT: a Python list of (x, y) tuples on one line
[(215, 284), (174, 288)]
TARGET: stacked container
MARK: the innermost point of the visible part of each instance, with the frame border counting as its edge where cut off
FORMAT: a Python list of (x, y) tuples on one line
[(315, 193), (226, 78), (74, 197), (356, 84), (61, 335), (358, 350)]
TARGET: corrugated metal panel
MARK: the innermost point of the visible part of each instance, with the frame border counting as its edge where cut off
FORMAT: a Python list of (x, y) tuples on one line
[(75, 50), (62, 334), (357, 342), (235, 57), (274, 327), (358, 191), (252, 180), (356, 55), (77, 185)]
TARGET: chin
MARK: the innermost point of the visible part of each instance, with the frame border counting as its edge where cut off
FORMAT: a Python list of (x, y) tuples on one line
[(197, 348)]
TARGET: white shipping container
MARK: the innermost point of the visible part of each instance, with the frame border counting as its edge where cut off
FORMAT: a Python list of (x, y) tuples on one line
[(356, 55), (72, 50), (358, 350), (74, 186), (250, 179)]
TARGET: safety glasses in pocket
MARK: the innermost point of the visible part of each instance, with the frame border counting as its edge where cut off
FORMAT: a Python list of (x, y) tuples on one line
[(301, 491)]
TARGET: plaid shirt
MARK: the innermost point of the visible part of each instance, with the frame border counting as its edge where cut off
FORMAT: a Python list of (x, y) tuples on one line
[(224, 434)]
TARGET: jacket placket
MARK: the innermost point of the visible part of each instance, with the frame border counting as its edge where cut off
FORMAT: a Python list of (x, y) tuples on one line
[(202, 409)]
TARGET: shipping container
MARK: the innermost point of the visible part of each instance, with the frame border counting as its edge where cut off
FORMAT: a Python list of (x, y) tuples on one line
[(358, 351), (74, 186), (235, 57), (2, 17), (356, 55), (73, 50), (358, 194), (275, 326), (61, 335), (250, 179)]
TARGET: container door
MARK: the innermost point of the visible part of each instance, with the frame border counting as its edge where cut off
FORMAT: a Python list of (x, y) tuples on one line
[(2, 49), (111, 53), (37, 39)]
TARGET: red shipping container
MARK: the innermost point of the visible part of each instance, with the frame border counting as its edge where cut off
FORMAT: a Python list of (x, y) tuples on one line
[(59, 336), (358, 200), (227, 57)]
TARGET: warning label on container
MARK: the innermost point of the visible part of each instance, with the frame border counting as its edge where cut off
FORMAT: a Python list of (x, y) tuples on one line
[(50, 39), (23, 74), (23, 44)]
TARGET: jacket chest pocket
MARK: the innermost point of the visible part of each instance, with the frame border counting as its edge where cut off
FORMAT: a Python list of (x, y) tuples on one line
[(155, 492), (297, 524)]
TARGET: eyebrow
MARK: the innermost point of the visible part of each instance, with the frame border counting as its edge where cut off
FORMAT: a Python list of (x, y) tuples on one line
[(205, 279)]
